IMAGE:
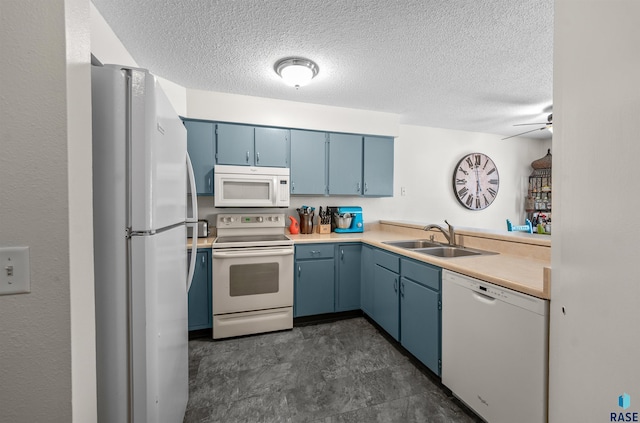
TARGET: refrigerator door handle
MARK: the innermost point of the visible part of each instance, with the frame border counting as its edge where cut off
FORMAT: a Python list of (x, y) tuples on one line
[(192, 221), (194, 195)]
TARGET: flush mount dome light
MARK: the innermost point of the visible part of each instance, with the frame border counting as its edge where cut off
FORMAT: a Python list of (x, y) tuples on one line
[(296, 71)]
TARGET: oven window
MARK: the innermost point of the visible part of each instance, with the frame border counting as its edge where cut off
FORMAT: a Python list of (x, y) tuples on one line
[(253, 279)]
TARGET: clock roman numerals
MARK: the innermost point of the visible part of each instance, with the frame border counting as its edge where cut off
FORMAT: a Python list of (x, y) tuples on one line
[(461, 181), (493, 181), (469, 201), (463, 171), (463, 192), (492, 192), (478, 159), (470, 162), (491, 171)]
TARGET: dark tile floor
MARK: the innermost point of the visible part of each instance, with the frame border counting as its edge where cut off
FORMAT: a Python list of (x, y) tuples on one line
[(344, 371)]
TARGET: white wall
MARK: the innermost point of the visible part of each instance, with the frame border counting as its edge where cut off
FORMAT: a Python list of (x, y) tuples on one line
[(594, 343), (107, 47), (80, 189), (46, 347), (265, 111)]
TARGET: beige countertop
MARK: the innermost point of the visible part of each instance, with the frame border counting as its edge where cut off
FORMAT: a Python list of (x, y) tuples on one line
[(520, 264)]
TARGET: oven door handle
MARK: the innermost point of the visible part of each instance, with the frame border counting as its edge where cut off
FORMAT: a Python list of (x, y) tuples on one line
[(253, 253)]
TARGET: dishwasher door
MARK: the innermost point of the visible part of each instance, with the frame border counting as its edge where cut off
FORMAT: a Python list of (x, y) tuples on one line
[(495, 349)]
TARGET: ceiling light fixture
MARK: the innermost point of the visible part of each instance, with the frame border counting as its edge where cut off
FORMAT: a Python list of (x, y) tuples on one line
[(296, 71)]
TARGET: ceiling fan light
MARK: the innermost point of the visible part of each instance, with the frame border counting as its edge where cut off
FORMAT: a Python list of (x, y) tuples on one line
[(296, 72)]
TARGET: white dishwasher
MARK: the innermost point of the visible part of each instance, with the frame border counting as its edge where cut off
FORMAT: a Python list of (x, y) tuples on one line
[(495, 349)]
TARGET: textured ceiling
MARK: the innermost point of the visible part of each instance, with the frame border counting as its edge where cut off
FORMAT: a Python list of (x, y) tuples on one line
[(458, 64)]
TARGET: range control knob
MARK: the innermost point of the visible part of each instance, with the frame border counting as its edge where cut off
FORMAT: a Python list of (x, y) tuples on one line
[(259, 219), (276, 218)]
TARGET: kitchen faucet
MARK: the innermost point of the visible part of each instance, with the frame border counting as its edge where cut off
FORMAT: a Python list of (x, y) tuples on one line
[(450, 236)]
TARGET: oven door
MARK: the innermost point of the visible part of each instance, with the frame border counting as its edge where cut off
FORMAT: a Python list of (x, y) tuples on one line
[(247, 279)]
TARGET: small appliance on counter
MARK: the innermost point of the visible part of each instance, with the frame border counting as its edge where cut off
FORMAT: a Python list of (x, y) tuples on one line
[(203, 229), (346, 219)]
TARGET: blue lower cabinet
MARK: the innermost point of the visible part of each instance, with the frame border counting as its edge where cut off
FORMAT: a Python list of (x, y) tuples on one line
[(314, 280), (386, 306), (348, 282), (420, 312), (366, 280), (200, 315), (314, 287)]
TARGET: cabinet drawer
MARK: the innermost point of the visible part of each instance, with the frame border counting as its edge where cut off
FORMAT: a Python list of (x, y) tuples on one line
[(387, 260), (422, 273), (314, 251)]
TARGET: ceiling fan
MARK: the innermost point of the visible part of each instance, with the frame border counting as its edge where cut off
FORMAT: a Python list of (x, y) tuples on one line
[(547, 125)]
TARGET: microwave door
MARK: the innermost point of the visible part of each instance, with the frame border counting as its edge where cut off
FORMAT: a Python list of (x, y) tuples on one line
[(245, 191)]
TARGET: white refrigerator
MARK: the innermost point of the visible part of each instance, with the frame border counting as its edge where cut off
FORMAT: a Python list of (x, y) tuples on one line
[(140, 177)]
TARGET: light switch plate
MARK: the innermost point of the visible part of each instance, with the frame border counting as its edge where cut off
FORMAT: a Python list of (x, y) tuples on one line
[(15, 277)]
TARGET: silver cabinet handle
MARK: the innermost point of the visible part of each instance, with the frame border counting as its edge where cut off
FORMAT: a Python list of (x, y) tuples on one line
[(342, 254), (258, 157), (402, 289), (293, 186), (366, 187), (247, 156), (395, 284), (202, 259), (299, 269), (209, 181), (358, 187)]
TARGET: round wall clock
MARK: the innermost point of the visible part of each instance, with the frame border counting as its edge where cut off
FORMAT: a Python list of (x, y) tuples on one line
[(476, 181)]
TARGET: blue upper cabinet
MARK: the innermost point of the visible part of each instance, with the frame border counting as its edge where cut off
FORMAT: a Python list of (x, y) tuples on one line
[(201, 147), (234, 144), (378, 166), (308, 162), (244, 145), (345, 164), (271, 147)]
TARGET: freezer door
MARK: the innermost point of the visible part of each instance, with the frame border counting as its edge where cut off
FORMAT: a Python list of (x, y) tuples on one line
[(159, 338), (157, 157)]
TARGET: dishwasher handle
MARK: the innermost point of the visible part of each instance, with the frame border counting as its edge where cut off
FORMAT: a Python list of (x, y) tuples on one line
[(484, 298)]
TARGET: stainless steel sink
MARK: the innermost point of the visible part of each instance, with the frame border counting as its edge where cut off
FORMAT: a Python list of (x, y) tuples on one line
[(436, 249), (451, 252), (413, 244)]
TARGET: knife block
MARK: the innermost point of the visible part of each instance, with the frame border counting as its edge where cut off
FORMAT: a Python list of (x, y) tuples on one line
[(323, 229)]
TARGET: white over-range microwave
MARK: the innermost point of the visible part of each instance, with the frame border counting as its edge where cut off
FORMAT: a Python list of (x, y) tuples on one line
[(246, 186)]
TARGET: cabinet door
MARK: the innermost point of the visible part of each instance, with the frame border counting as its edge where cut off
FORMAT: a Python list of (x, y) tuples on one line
[(420, 322), (308, 162), (378, 166), (349, 259), (234, 144), (314, 287), (366, 280), (272, 147), (345, 164), (201, 146), (200, 293), (385, 300)]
